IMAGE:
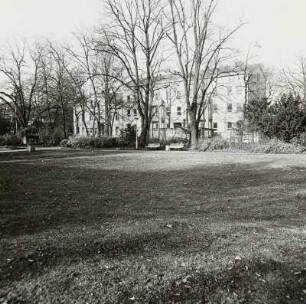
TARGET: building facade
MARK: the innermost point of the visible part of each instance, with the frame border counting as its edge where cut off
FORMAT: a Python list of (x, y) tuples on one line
[(223, 111)]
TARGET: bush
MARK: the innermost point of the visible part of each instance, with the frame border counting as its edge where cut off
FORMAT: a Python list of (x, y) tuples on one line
[(212, 144), (173, 140), (299, 140), (284, 119), (277, 147), (47, 140), (127, 137), (64, 142), (272, 146), (10, 140), (90, 142)]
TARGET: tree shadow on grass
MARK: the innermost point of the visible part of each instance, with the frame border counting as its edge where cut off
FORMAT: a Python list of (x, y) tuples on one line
[(131, 246), (246, 281), (70, 197), (47, 196)]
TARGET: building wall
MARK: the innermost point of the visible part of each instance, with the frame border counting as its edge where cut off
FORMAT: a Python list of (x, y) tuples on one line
[(170, 119)]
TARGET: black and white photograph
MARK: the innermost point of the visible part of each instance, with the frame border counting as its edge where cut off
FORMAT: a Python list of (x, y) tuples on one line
[(152, 151)]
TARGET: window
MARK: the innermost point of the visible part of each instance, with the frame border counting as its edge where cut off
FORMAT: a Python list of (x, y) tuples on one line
[(178, 95), (128, 112), (229, 107), (229, 90), (90, 116), (154, 110), (117, 130), (184, 123), (229, 125), (128, 98), (239, 107), (116, 116), (77, 130), (179, 111), (215, 125), (239, 89), (102, 126), (177, 125), (168, 110), (135, 112), (215, 108)]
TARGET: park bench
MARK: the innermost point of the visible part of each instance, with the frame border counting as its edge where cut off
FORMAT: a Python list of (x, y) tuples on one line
[(153, 146), (176, 146), (31, 140)]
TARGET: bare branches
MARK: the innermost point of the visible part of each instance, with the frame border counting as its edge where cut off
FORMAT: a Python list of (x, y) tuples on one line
[(135, 39), (19, 67), (199, 49), (294, 78)]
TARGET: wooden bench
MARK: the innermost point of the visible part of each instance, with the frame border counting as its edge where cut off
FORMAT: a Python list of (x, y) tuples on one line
[(177, 146), (153, 146)]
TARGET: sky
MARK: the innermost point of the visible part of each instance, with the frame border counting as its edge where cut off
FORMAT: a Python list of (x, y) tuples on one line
[(274, 29)]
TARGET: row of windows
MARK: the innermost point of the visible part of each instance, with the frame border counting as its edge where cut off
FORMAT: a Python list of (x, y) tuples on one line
[(230, 90), (178, 111), (93, 131), (128, 112), (229, 107), (168, 110), (229, 125), (175, 124), (180, 125)]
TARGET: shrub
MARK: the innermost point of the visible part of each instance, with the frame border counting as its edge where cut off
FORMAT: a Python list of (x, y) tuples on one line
[(173, 140), (284, 119), (10, 140), (64, 142), (277, 147), (90, 142), (49, 140), (127, 137), (211, 144), (299, 140), (154, 140), (272, 146), (5, 125)]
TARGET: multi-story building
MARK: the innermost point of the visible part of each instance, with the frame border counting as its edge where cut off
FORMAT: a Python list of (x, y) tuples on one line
[(169, 111)]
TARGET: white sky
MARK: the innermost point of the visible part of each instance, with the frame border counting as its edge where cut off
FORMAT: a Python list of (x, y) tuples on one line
[(277, 25)]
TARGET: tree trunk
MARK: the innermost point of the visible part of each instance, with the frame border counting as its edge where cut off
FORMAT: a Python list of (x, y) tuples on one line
[(145, 126), (194, 130)]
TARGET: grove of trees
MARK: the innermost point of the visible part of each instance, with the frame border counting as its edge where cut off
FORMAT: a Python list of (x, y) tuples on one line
[(48, 86)]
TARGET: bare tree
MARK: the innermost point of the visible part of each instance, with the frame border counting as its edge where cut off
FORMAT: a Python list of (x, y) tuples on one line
[(99, 71), (201, 51), (294, 78), (56, 91), (19, 67), (86, 58), (134, 38), (80, 98)]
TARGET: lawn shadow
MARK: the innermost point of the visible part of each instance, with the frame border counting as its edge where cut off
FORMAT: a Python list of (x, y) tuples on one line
[(46, 196), (246, 281), (40, 200), (118, 247)]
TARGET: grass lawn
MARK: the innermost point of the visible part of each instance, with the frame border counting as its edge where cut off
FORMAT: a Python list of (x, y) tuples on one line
[(152, 227)]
